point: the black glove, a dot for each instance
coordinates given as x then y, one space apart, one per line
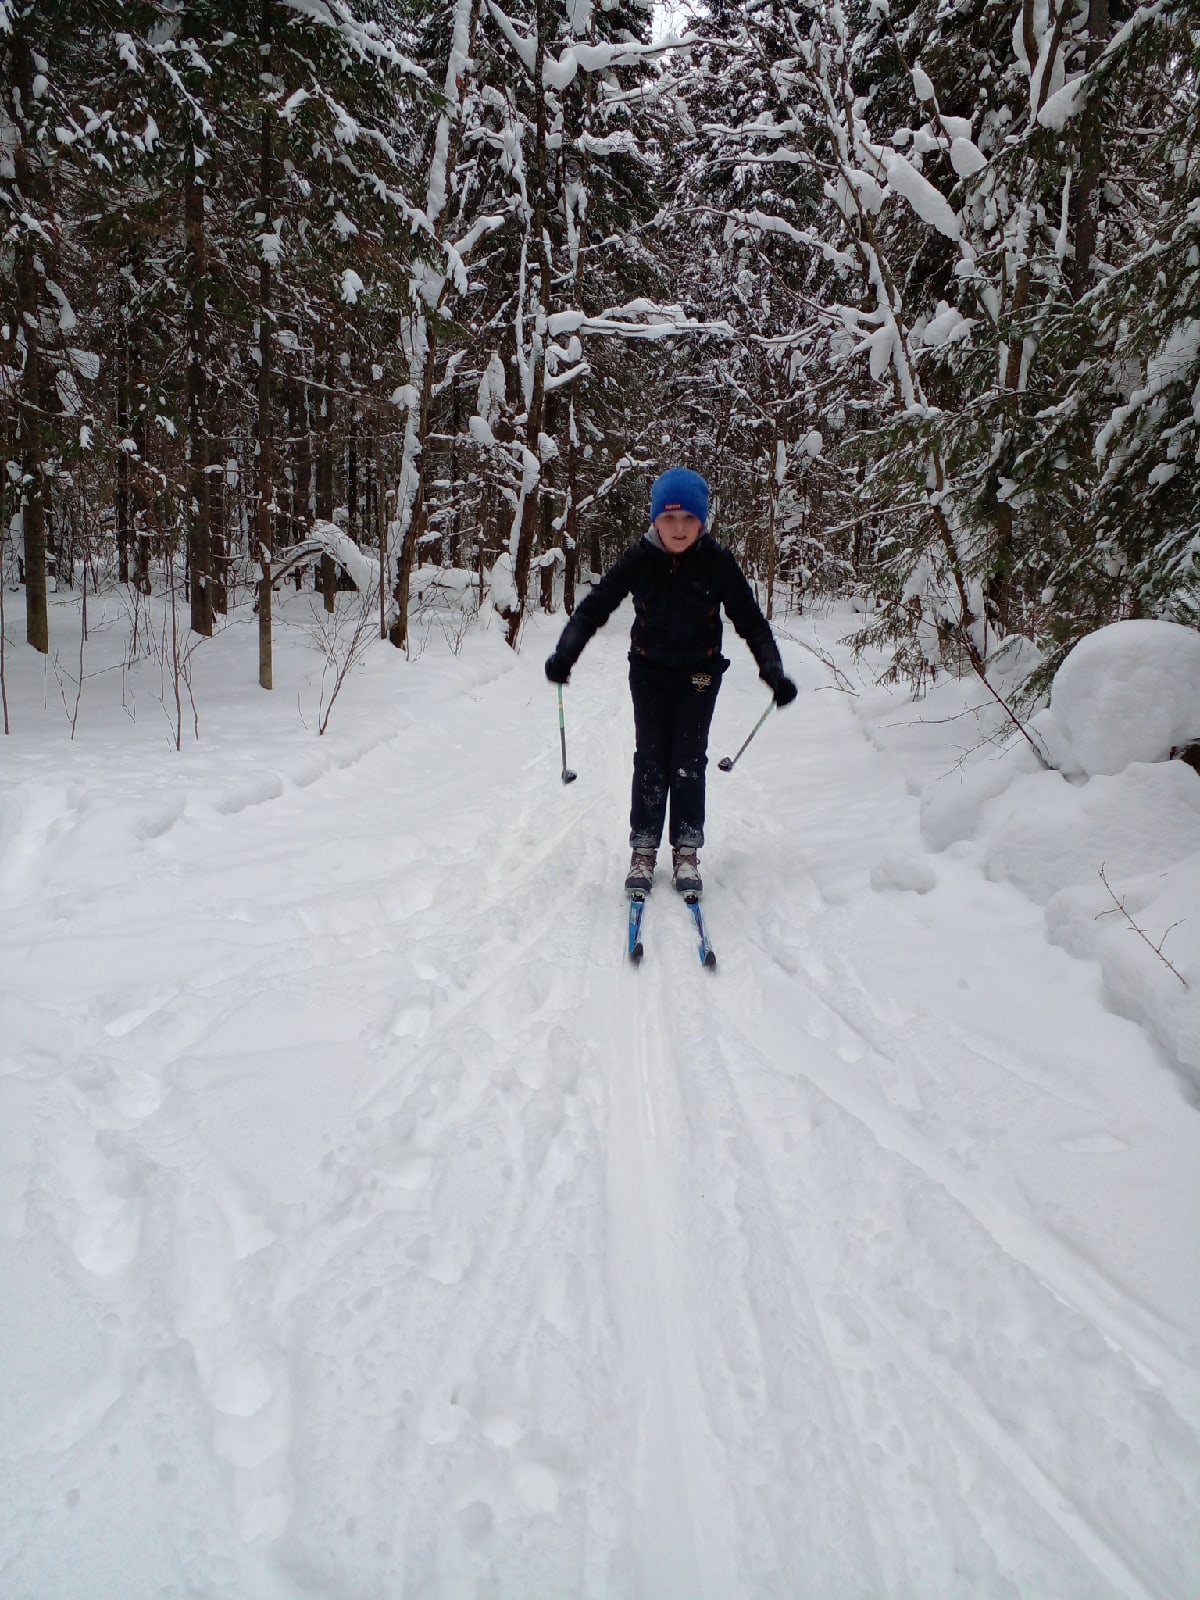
558 668
785 690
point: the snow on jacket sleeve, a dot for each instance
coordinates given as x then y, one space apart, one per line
743 611
594 610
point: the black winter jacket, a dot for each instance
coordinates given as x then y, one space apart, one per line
677 604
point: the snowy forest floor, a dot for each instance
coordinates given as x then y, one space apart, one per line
370 1230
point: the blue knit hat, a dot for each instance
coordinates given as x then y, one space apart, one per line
680 489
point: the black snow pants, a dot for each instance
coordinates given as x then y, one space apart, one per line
672 710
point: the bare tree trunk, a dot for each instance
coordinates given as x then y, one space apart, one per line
199 547
1091 136
381 534
325 479
489 537
453 539
218 538
30 395
3 657
410 495
550 570
301 507
527 533
121 497
138 432
416 517
772 505
266 463
571 526
5 436
999 584
352 481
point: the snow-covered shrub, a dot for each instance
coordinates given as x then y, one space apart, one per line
1129 692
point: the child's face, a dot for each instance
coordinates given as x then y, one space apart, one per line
678 530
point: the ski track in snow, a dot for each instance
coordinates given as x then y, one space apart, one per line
371 1229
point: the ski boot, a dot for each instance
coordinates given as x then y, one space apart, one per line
640 877
686 869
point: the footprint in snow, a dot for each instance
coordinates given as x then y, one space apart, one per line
109 1233
131 1017
476 1522
16 1156
450 1255
408 1170
410 1020
563 1301
538 1487
108 1191
1093 1144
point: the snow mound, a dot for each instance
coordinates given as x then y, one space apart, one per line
1082 812
1129 692
1052 834
1142 931
952 807
903 869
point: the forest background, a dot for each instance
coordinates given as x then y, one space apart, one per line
363 289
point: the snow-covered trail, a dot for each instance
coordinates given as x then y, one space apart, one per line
370 1229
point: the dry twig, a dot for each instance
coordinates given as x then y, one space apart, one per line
1119 905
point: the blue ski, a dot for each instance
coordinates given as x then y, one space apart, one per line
708 955
637 910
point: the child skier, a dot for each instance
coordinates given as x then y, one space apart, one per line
679 577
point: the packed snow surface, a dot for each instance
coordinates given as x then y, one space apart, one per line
369 1229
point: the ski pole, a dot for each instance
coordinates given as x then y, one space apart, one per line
567 775
727 763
